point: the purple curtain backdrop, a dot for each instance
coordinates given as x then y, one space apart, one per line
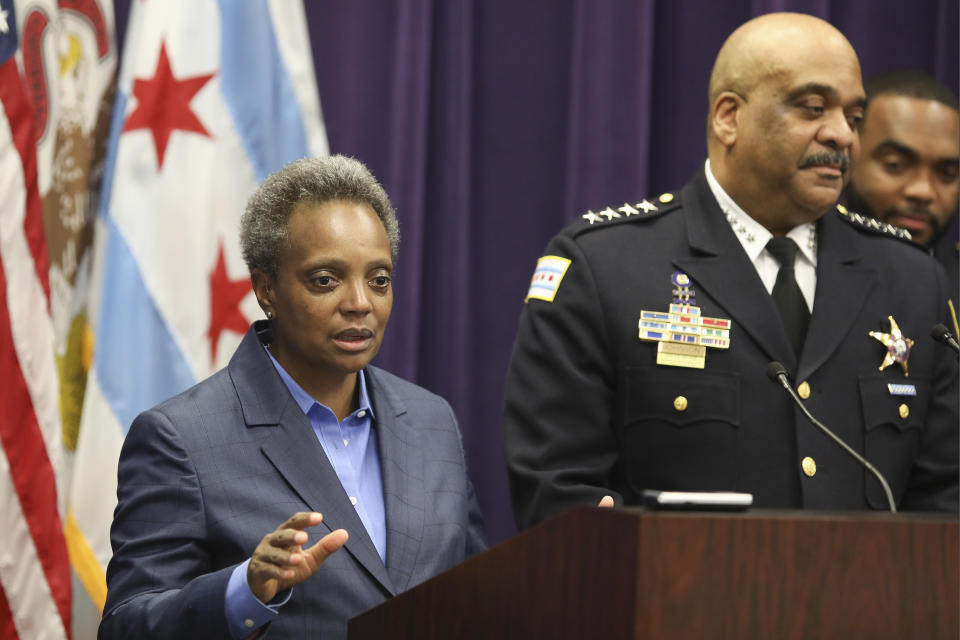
492 123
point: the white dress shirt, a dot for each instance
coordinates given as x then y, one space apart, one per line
754 237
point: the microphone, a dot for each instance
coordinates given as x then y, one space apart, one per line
778 373
941 334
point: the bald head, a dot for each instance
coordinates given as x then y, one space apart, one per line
786 100
768 46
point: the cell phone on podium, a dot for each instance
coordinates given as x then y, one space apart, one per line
697 500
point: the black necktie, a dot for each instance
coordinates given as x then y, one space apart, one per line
786 292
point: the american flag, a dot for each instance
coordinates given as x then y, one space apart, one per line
34 567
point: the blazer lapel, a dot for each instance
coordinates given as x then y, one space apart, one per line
721 269
401 461
843 286
296 453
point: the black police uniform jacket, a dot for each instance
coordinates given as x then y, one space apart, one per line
589 412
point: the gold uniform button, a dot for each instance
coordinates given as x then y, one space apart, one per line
680 403
666 197
904 411
809 466
803 390
842 209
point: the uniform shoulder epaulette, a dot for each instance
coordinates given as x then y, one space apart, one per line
643 210
873 225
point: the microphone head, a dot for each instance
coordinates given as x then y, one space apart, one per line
775 370
939 333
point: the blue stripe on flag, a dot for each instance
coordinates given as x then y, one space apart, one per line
137 362
257 89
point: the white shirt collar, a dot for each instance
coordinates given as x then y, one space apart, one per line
753 235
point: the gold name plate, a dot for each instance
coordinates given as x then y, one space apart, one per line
681 355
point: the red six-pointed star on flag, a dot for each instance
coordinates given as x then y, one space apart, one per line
163 104
225 298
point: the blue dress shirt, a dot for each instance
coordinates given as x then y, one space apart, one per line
351 448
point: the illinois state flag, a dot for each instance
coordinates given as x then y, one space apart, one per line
212 97
34 570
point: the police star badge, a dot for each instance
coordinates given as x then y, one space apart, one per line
682 334
898 346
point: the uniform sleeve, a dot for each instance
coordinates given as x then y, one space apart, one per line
557 421
933 482
160 584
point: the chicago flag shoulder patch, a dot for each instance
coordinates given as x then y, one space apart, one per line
546 279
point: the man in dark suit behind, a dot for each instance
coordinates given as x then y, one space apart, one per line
907 174
221 487
641 353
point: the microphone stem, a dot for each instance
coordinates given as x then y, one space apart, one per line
856 456
953 344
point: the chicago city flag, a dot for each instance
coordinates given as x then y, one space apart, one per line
212 96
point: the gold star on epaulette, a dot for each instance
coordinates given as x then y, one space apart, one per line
873 223
591 217
610 213
647 206
643 210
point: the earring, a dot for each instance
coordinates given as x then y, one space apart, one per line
269 315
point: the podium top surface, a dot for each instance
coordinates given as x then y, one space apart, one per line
636 573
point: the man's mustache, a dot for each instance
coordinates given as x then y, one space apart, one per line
834 158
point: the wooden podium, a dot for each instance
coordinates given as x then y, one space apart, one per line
603 573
